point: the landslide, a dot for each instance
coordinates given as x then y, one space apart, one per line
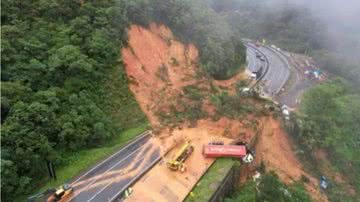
160 69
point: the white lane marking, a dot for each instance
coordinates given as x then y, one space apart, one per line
135 178
131 143
285 67
102 189
92 182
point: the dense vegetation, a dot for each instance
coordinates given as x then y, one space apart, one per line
329 120
213 178
222 53
329 114
269 188
63 86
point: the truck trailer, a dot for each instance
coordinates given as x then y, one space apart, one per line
215 151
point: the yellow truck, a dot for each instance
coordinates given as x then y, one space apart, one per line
177 163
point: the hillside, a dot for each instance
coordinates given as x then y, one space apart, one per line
64 89
325 123
81 79
184 104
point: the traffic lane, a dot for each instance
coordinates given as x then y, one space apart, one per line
83 180
284 72
255 64
286 63
292 96
113 191
252 59
277 74
93 186
270 75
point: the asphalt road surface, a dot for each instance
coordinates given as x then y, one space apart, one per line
278 72
107 180
254 63
300 83
278 67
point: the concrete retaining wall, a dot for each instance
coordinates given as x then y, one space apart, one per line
228 184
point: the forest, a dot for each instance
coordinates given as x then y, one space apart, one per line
222 53
270 188
329 120
62 79
64 88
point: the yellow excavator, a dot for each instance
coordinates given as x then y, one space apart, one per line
177 163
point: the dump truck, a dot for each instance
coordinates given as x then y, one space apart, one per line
177 163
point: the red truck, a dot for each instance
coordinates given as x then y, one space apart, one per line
214 151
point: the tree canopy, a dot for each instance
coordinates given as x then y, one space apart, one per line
222 53
270 188
63 86
56 55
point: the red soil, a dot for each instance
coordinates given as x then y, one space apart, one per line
274 149
154 49
150 49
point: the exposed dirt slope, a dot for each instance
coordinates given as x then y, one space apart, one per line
162 185
158 68
274 149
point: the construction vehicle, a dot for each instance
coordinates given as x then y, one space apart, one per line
177 163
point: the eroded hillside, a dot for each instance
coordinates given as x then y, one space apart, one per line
168 84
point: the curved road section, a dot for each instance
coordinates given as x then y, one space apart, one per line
277 72
107 180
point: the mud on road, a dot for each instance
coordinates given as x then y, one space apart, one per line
158 67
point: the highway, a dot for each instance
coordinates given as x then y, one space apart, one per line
278 69
107 180
111 177
278 72
254 64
